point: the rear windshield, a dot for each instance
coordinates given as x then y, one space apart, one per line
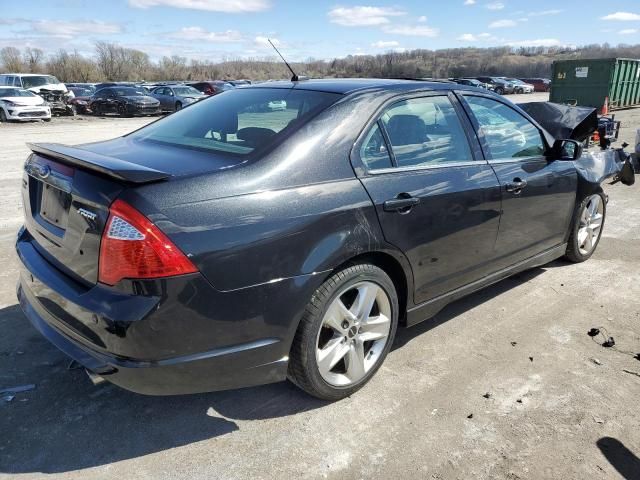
238 121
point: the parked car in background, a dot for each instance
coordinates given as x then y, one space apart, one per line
539 84
215 248
519 85
277 105
87 86
125 101
19 104
83 94
212 87
239 83
33 81
500 86
472 82
174 97
100 86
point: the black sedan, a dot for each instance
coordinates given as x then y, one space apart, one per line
229 245
125 101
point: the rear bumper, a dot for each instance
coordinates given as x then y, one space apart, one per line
163 345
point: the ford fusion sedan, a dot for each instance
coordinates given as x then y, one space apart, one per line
230 245
174 97
20 104
125 101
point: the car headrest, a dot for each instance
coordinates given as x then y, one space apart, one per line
255 136
406 129
224 123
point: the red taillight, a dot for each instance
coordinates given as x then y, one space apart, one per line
133 247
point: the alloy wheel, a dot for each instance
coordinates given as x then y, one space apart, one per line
590 224
353 334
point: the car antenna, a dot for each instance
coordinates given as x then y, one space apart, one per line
295 77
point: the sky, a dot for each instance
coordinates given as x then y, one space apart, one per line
216 30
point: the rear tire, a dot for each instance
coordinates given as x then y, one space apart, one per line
499 91
586 228
345 333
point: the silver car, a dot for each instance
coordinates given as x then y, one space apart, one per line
175 97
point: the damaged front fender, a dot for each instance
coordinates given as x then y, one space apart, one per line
597 166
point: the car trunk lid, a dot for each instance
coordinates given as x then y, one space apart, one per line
66 194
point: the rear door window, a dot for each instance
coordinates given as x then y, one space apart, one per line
426 131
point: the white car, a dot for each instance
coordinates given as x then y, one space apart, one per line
34 82
277 105
20 104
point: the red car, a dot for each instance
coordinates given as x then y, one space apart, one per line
212 87
539 84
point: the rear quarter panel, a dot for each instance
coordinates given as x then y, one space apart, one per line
297 211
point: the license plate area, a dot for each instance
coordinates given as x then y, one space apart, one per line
54 205
50 185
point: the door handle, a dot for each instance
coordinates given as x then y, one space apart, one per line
401 204
516 186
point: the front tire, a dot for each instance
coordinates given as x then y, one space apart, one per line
586 229
345 333
500 91
3 116
178 106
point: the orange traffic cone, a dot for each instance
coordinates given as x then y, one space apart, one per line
605 107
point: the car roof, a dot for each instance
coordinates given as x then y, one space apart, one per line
28 74
350 85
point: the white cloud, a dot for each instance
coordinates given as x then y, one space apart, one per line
199 33
422 19
363 16
68 29
228 6
469 2
541 42
481 37
385 44
495 6
467 37
545 12
628 31
411 30
503 24
622 16
260 41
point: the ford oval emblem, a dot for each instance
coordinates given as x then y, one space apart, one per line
43 171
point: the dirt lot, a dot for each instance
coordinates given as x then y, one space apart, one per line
559 405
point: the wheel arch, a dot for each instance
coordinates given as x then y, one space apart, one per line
394 265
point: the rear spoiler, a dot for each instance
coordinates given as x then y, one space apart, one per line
108 166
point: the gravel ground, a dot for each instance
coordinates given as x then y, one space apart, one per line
504 384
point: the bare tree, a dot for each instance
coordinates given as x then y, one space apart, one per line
33 59
11 59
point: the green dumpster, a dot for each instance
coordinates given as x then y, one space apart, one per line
589 82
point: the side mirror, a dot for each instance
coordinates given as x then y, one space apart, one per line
566 150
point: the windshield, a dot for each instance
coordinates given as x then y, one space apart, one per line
128 92
186 91
238 121
15 92
38 81
81 91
